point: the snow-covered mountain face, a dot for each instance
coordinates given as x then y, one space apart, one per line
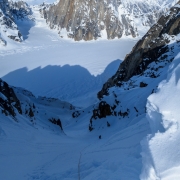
103 141
107 19
22 106
9 13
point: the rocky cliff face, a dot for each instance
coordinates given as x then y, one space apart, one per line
109 19
9 13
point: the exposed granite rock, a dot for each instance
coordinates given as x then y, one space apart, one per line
147 50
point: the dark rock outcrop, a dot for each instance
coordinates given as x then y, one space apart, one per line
9 102
142 84
57 122
102 111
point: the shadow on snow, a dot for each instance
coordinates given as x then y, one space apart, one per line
24 27
64 82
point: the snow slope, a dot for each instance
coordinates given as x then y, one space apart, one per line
33 153
161 148
47 153
43 150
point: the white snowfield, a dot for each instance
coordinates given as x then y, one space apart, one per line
65 64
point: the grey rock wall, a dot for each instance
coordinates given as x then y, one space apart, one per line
87 19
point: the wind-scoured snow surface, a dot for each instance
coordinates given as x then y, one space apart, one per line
161 155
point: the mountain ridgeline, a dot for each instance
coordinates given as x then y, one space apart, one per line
109 19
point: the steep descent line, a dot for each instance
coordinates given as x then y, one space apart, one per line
79 163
